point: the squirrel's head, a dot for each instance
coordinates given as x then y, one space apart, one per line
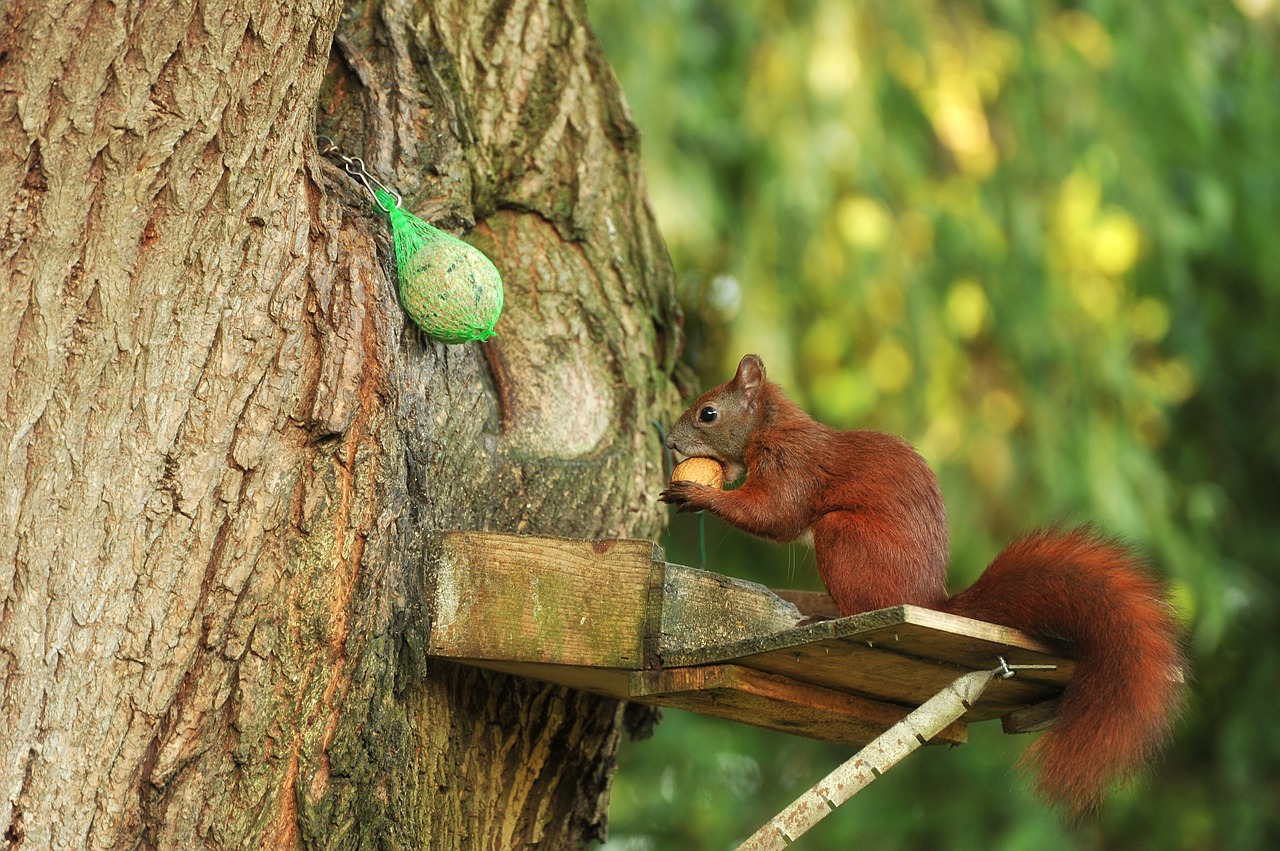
720 424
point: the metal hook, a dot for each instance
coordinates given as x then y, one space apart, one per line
1005 671
355 167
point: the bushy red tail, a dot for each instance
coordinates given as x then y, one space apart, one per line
1128 684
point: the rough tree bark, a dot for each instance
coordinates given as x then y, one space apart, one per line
227 453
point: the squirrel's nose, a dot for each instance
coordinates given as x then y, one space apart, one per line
671 443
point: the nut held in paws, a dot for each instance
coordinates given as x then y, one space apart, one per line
703 471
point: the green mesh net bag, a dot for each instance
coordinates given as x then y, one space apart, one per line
449 288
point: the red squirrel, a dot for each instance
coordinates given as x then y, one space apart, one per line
879 534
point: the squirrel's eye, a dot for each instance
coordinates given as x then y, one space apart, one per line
708 414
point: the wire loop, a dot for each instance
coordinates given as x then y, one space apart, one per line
355 167
1005 671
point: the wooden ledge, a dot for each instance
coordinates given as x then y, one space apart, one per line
613 617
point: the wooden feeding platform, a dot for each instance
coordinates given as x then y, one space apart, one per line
614 618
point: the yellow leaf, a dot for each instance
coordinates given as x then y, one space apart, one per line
967 308
863 222
890 367
1116 241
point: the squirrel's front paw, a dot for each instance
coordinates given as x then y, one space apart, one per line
686 495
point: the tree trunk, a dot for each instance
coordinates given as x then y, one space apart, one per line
228 453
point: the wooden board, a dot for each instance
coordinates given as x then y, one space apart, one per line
701 609
609 682
776 703
549 600
903 654
597 603
736 694
613 618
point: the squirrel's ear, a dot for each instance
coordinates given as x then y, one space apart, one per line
750 373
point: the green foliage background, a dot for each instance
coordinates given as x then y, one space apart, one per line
1039 240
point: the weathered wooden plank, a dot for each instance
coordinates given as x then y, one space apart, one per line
885 675
777 703
940 636
1031 719
734 693
902 654
610 682
974 644
551 600
701 609
612 617
812 604
602 603
799 635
